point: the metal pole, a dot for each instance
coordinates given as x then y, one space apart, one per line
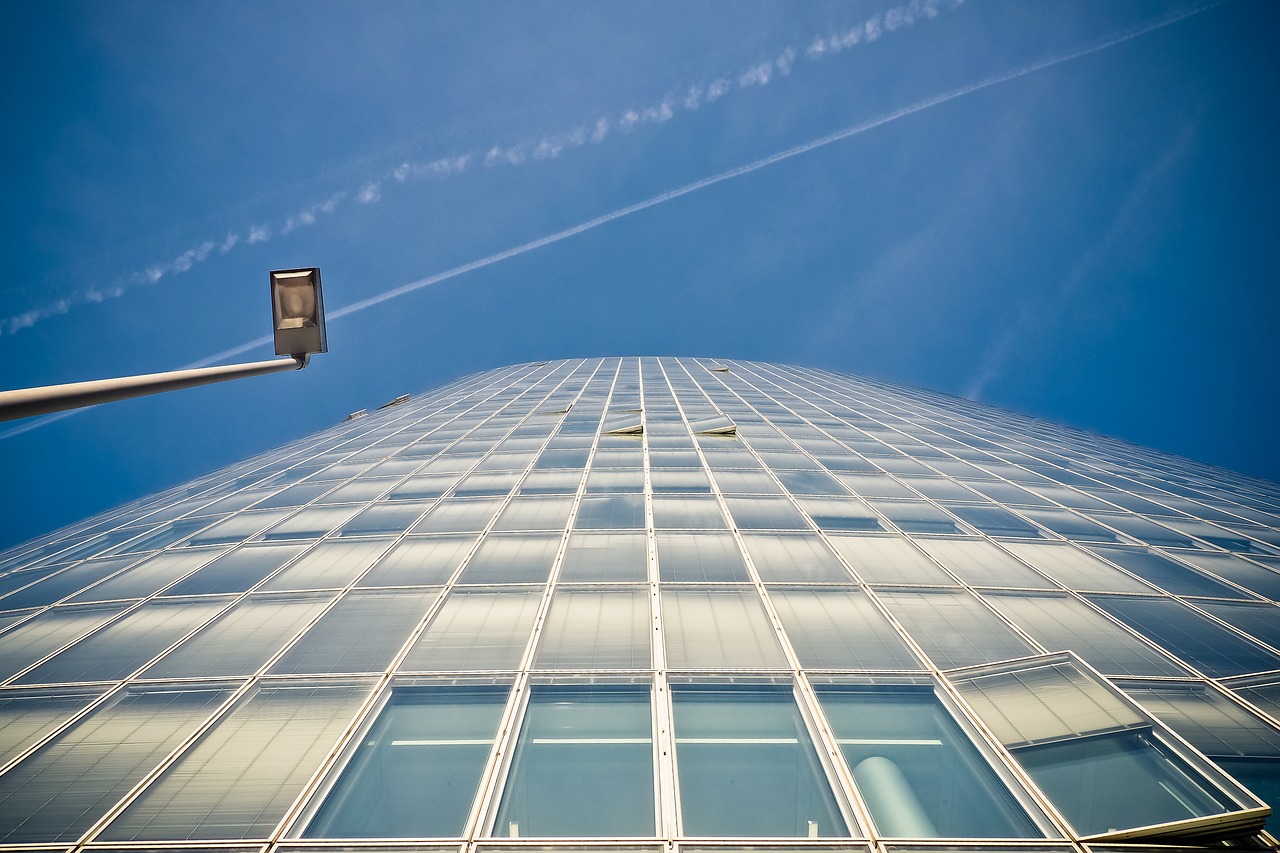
27 402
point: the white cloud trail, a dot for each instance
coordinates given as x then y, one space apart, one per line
670 195
547 147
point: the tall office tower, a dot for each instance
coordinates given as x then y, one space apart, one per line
655 605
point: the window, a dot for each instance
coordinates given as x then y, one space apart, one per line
747 767
583 765
917 771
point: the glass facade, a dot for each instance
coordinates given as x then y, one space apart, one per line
641 604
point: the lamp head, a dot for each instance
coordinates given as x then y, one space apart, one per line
297 308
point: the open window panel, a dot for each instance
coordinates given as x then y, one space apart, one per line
1113 771
624 422
415 769
713 425
922 770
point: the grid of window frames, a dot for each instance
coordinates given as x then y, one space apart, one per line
631 604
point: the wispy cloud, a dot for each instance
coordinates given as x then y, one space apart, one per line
547 147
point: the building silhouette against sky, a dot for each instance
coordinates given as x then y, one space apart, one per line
652 601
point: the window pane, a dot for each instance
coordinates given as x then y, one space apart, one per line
916 517
61 585
980 563
512 559
747 767
1059 622
839 629
427 747
1258 620
678 480
596 629
241 776
361 633
765 514
48 632
606 557
310 523
240 641
385 518
26 715
1166 574
236 571
460 516
96 762
1212 723
420 560
700 557
687 513
953 628
783 558
717 629
149 576
583 765
880 559
840 514
125 645
917 771
993 521
1075 569
611 512
476 629
1204 644
328 565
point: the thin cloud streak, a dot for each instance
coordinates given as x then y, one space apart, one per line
740 171
530 150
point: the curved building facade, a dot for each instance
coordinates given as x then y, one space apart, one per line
645 604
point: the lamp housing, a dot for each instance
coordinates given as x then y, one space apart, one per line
297 308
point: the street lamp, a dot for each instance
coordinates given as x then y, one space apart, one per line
298 323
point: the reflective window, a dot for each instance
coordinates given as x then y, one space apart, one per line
718 629
765 513
327 565
953 628
420 560
747 766
980 563
918 773
1165 573
236 571
611 512
97 761
687 513
840 514
592 557
1240 571
48 632
607 480
476 629
596 629
1258 620
679 480
839 629
783 558
149 576
241 776
385 518
1075 568
459 516
535 513
700 557
583 765
994 521
512 559
881 559
361 633
310 523
916 516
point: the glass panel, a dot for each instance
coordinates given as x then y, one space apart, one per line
386 518
880 559
765 514
916 517
420 560
810 483
427 746
1093 754
1069 525
459 516
993 521
48 632
424 486
1145 530
550 483
953 628
839 629
596 629
361 633
311 522
840 514
26 715
1059 622
328 565
1248 575
1209 720
700 557
917 771
746 483
1258 620
512 559
240 641
1210 648
747 767
1166 574
606 557
583 765
477 630
148 576
67 785
122 647
799 558
61 585
1075 569
980 563
611 512
717 629
236 571
621 480
687 513
486 485
678 480
241 776
535 513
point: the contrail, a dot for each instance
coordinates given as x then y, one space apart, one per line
821 142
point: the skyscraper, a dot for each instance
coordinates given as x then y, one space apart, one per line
634 603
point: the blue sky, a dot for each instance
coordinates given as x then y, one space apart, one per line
1063 208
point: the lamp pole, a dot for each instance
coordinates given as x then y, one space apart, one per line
298 313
